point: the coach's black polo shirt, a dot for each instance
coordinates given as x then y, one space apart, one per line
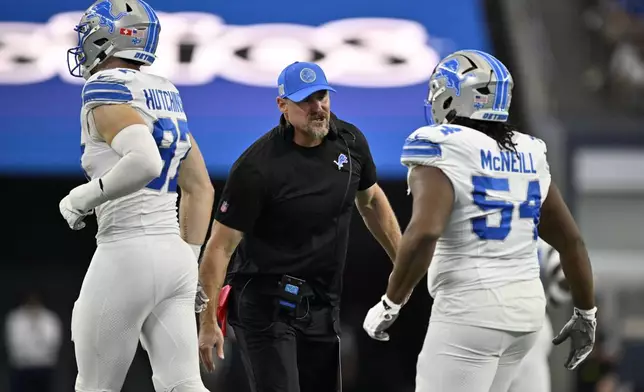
288 200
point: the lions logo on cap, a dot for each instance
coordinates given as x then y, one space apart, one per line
308 75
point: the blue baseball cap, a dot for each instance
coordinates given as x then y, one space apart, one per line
301 79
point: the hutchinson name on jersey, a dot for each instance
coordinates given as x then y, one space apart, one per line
151 210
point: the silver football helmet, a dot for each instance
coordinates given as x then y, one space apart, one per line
127 29
470 84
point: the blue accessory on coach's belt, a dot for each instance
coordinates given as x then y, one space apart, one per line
290 293
301 79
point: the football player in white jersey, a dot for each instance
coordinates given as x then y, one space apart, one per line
136 149
534 371
480 191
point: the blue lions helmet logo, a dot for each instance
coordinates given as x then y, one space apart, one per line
448 70
103 12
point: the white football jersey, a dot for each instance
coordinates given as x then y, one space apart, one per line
151 210
490 242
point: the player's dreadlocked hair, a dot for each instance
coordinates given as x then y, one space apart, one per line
501 132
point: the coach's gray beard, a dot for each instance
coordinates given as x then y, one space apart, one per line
318 129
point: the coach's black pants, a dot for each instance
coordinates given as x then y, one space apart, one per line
282 355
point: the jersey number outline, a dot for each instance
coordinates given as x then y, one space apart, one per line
179 130
530 208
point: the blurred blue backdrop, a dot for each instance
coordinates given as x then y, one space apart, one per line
225 58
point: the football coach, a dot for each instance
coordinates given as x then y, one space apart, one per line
284 218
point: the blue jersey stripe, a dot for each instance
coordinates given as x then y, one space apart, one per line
94 86
420 142
416 152
421 148
419 156
103 95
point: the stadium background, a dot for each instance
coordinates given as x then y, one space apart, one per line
580 74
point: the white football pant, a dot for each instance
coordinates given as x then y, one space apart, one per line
463 358
534 372
140 288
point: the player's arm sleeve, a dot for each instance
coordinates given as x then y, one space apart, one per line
108 87
140 163
368 175
243 197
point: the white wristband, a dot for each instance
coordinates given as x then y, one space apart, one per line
196 249
87 196
587 314
391 304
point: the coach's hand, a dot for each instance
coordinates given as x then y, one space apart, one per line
581 331
380 318
73 216
210 336
201 299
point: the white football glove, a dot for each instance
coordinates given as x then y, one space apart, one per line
80 202
73 216
380 318
581 331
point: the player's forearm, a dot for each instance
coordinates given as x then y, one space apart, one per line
414 256
195 210
576 266
382 223
212 273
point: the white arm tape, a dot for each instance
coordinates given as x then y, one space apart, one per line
140 162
